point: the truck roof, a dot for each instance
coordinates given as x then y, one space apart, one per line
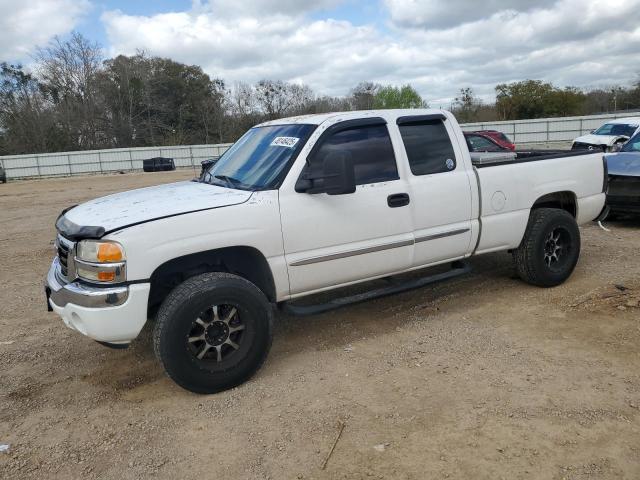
333 117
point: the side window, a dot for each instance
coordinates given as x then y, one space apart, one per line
428 147
369 147
478 143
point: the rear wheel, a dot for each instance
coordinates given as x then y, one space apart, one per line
213 332
550 248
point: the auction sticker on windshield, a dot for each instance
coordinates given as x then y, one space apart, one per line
289 142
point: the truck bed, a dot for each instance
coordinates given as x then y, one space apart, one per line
492 159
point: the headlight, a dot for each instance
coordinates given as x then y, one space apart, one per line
100 252
98 261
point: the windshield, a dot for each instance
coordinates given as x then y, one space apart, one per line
616 129
633 145
260 158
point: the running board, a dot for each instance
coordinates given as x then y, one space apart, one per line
457 268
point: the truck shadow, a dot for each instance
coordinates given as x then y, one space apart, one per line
338 328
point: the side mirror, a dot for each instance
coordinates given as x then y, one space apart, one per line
339 174
206 164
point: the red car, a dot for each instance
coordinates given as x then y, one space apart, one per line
478 142
499 137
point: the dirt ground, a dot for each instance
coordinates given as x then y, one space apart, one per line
482 377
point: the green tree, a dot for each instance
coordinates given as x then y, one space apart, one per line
521 100
564 102
398 97
536 99
154 101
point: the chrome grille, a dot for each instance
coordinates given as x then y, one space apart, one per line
64 248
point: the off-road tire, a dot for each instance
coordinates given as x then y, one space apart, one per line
176 318
531 256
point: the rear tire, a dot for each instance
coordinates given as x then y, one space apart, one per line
213 332
550 248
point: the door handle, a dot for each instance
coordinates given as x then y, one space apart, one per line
398 200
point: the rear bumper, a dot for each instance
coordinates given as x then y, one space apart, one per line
113 315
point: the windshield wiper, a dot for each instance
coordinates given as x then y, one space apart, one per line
230 181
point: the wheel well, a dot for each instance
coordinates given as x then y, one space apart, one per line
562 200
246 262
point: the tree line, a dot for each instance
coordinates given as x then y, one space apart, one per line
77 100
538 99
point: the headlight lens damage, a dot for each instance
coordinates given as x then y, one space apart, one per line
100 261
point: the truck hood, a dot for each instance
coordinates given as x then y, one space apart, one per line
98 217
624 163
598 139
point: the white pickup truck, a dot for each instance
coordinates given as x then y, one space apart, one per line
303 205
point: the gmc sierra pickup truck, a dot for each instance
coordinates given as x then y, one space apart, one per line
302 205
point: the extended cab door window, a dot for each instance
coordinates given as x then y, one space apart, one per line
428 147
368 146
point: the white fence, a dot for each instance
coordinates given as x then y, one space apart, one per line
547 130
104 161
540 131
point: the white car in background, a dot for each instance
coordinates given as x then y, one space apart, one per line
610 136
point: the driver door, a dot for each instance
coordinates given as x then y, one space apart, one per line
332 240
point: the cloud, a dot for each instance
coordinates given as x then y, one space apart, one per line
431 14
568 42
229 8
25 25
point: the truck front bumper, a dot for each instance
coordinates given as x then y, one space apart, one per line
112 315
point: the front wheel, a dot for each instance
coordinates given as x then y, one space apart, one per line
550 248
213 332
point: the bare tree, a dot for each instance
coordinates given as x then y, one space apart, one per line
363 96
26 120
273 97
68 71
466 105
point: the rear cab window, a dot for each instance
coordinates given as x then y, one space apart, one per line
428 146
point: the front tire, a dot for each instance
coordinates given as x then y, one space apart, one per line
213 332
550 248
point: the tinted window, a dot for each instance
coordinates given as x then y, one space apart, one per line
616 129
633 145
428 148
370 149
477 143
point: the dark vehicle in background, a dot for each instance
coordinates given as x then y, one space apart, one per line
3 174
623 195
498 137
158 164
478 142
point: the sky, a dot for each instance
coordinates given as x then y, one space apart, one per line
438 46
